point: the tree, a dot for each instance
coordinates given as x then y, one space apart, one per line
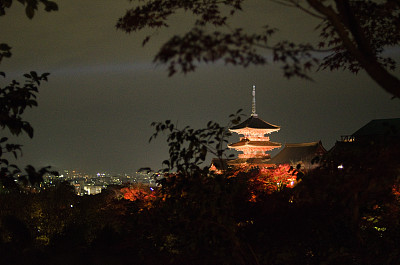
14 99
188 147
259 216
354 33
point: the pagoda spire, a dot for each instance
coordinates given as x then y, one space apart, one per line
253 106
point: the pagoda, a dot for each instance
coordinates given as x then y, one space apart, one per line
254 144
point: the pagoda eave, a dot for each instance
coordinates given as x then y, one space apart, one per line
255 144
248 130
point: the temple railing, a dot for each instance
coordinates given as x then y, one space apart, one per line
347 138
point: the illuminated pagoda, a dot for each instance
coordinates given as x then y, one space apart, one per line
254 144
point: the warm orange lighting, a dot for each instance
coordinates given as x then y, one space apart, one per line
396 190
134 193
270 180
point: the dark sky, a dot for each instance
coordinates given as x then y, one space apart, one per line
95 112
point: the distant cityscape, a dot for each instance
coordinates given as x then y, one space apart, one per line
91 184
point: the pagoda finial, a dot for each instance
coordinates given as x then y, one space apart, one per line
253 106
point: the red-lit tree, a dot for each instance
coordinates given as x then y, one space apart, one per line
138 192
264 181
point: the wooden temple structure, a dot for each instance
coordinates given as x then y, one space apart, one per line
254 144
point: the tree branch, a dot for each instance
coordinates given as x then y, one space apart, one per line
375 70
294 3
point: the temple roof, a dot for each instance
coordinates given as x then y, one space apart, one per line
382 127
255 123
293 153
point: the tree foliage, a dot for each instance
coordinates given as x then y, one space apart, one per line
31 6
332 216
188 147
354 33
15 98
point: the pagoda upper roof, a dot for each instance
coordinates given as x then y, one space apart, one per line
255 123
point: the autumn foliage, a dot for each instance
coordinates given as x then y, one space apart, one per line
275 179
138 192
396 190
260 181
237 216
266 180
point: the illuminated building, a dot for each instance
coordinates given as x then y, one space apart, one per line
254 145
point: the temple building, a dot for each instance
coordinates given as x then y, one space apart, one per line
378 139
254 144
308 155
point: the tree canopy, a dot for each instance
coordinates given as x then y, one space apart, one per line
354 35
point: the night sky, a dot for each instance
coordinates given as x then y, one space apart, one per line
95 112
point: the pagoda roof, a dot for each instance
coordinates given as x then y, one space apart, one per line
255 123
293 153
254 143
